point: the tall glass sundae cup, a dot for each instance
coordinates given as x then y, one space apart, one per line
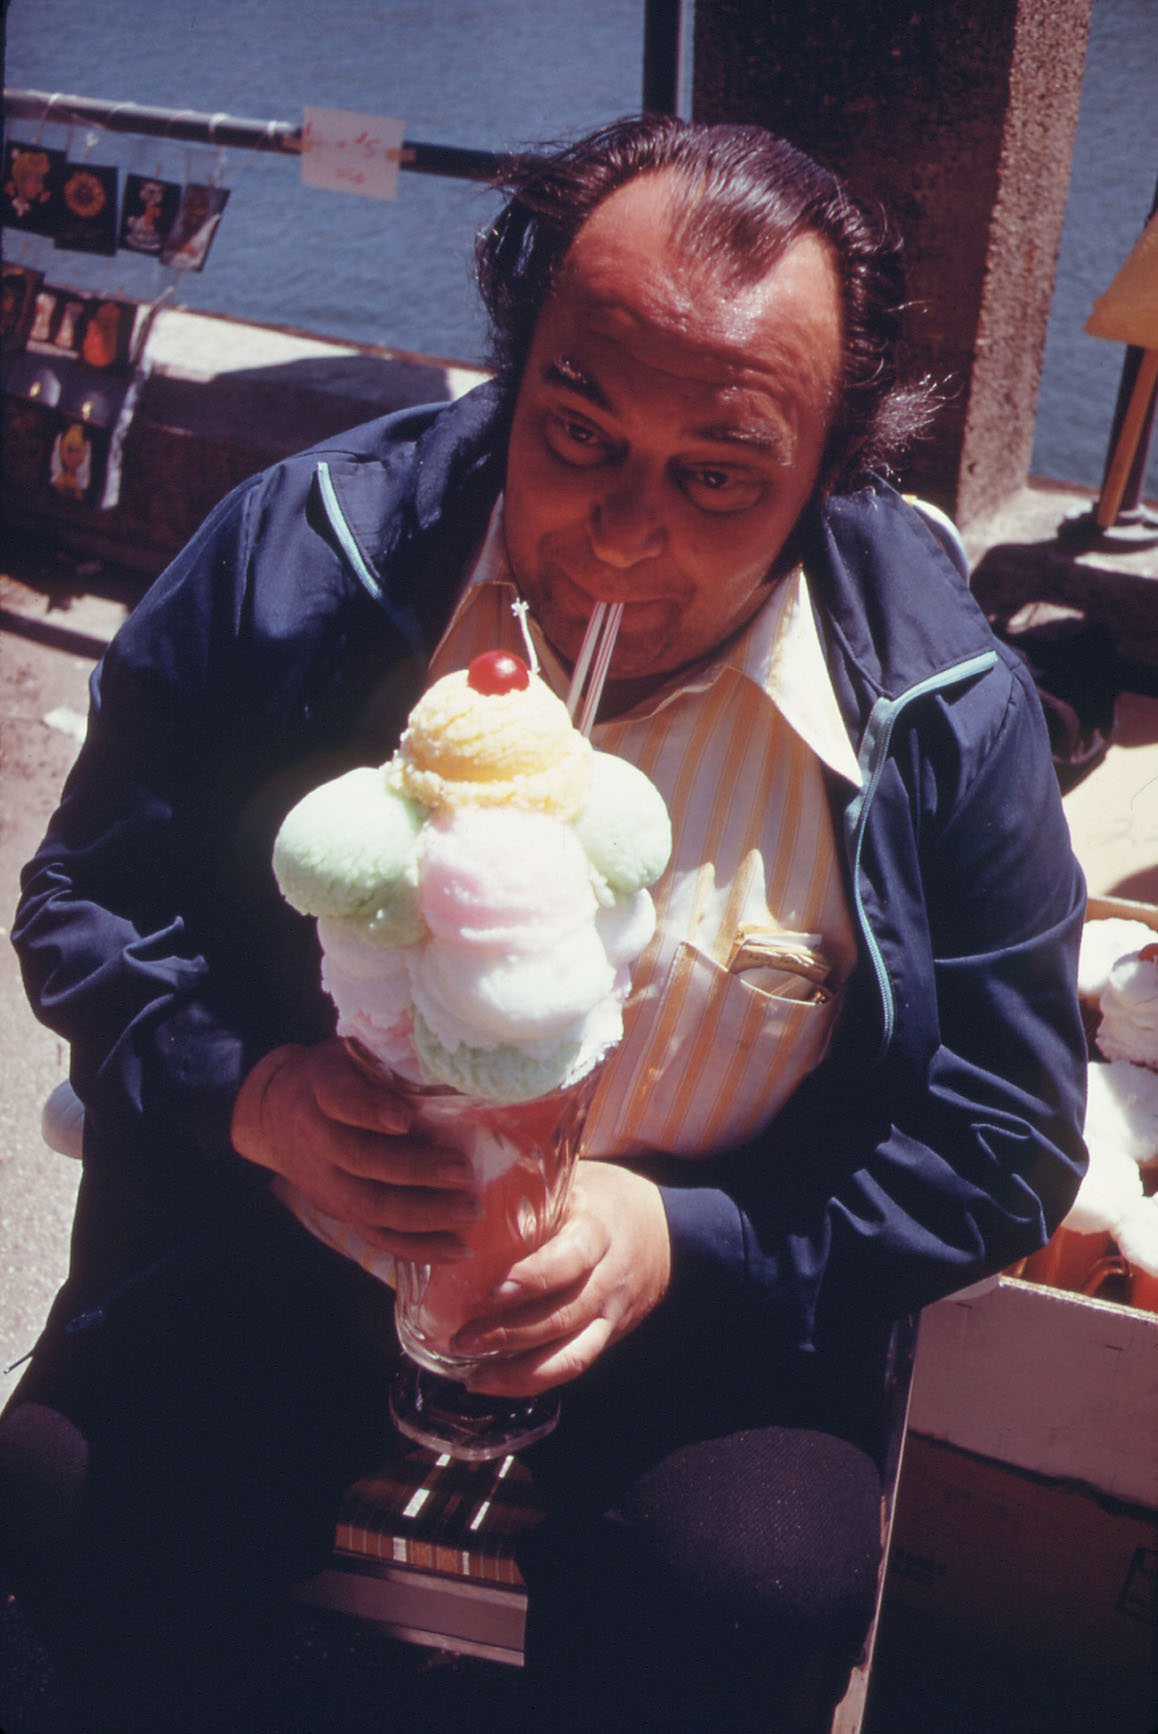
522 1156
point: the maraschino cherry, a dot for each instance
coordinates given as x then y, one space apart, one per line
496 672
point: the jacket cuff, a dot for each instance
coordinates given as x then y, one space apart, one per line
174 1096
708 1250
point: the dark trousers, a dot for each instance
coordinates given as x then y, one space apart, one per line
709 1559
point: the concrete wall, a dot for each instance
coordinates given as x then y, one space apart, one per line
960 116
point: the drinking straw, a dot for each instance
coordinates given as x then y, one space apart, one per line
583 660
595 656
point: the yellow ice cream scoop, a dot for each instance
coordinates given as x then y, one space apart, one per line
493 734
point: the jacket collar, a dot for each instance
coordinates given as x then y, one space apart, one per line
893 607
415 491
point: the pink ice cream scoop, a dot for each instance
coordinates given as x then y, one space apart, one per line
514 954
495 876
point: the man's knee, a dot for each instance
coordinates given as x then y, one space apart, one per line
737 1572
43 1474
776 1528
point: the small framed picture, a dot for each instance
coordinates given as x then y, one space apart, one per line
28 431
186 246
58 319
76 462
90 396
30 188
88 210
148 213
107 335
35 379
18 289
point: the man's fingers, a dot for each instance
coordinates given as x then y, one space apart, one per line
371 1203
567 1258
523 1324
346 1094
397 1161
537 1370
546 1298
418 1248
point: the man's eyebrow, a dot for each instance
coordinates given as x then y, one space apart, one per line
564 372
767 437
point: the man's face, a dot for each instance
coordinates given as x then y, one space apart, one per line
667 434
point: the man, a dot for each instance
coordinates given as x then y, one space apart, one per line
695 333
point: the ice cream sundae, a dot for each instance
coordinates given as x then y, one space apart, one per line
1129 1026
479 900
1118 986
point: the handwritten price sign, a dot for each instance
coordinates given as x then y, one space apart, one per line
351 153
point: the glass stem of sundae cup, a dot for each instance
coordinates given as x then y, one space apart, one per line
523 1157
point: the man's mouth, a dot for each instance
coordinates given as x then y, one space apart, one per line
577 590
644 617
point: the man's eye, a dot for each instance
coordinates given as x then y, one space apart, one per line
721 490
576 442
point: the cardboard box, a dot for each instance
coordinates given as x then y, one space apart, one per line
1056 1383
1006 1561
1049 1382
1027 1515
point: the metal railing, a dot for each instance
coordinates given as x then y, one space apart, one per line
664 26
187 126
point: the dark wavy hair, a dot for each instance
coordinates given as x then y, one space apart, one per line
741 197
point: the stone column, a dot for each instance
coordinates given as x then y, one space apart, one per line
959 115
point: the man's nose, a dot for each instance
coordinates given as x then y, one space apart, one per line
625 523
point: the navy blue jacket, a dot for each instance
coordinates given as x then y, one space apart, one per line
940 1138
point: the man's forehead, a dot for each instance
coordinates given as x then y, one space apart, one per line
621 298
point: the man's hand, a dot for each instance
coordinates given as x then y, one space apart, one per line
595 1280
310 1114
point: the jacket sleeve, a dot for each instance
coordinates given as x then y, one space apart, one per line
891 1180
265 660
133 927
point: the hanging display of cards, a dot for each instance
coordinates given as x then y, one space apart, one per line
30 187
71 366
73 391
88 209
148 213
186 246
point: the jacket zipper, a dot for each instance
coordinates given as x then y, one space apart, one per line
872 756
403 618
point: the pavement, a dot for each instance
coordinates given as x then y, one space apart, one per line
43 702
58 610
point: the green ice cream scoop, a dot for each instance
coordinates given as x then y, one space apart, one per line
349 850
624 826
505 1073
